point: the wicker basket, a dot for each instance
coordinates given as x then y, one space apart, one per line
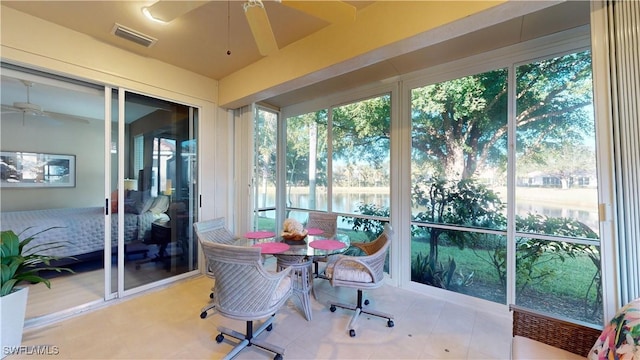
294 237
571 335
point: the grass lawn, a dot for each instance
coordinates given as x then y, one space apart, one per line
572 277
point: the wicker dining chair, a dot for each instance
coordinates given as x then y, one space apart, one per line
362 273
245 290
328 223
213 230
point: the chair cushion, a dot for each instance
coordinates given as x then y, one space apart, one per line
282 290
525 348
620 339
348 271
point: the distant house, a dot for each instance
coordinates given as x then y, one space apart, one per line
542 179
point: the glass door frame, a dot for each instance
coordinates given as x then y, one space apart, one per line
120 291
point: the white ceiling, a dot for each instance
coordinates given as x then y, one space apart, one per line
199 40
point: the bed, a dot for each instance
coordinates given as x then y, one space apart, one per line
80 231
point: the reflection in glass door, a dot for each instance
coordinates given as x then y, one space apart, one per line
52 177
92 193
158 174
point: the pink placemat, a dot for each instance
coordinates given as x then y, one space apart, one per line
327 244
272 247
314 231
259 234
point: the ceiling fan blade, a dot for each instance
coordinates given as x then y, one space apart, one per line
22 108
168 11
8 109
260 27
66 117
10 115
332 11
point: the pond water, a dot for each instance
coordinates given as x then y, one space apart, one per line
348 201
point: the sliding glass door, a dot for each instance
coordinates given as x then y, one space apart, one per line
118 196
155 165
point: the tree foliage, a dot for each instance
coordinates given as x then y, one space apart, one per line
300 129
464 203
265 142
469 204
371 227
455 124
460 126
361 130
360 133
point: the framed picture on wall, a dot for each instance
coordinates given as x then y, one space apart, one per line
20 169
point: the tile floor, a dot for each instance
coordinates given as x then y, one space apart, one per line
165 324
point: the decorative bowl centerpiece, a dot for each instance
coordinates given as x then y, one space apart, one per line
294 236
293 230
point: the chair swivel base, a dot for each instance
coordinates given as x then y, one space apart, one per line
249 339
359 310
205 309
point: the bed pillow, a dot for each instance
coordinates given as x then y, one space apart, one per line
160 204
138 202
145 205
620 339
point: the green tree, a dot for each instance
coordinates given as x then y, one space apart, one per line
265 145
465 203
306 149
361 131
460 126
456 123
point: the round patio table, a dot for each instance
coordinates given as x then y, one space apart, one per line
299 255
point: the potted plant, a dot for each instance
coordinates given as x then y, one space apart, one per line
20 264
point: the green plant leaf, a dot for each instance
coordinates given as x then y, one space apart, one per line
10 244
7 287
22 265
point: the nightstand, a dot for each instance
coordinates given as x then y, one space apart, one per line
160 236
161 233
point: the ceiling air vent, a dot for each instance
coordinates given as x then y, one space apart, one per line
132 35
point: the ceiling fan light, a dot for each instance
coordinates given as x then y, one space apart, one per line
148 15
167 11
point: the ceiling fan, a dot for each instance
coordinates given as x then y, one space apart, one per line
29 108
332 11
